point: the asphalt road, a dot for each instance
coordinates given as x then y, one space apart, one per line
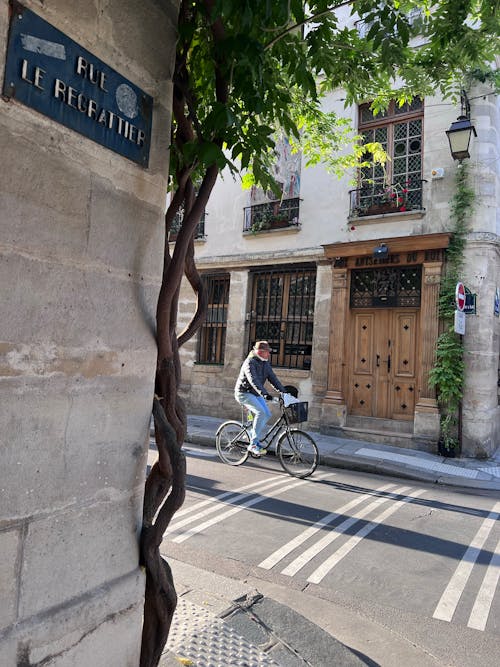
419 562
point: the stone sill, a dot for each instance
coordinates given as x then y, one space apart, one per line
290 228
291 372
201 367
398 215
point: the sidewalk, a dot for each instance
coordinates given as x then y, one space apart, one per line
377 458
225 622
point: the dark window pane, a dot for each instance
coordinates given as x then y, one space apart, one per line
283 313
213 332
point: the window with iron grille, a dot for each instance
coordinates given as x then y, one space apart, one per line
282 312
177 224
213 331
386 287
399 130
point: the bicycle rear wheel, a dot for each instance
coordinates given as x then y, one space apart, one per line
297 452
231 441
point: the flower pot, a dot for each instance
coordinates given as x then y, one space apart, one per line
379 209
277 224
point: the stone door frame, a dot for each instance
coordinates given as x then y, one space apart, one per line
426 250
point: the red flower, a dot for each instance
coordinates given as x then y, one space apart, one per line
402 208
393 195
405 190
352 228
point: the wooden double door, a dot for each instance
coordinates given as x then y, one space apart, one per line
382 364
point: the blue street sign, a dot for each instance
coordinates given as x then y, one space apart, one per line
49 72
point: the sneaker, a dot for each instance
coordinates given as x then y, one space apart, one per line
255 449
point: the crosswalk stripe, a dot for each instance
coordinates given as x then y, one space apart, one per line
217 519
199 515
290 546
227 494
451 596
482 605
335 558
339 530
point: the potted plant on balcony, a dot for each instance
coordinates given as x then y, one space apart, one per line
261 223
278 220
391 199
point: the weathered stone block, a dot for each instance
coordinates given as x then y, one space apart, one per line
124 231
74 551
74 306
113 643
95 439
9 546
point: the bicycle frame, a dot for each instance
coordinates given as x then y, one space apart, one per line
273 430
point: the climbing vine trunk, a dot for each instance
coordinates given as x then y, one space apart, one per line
166 484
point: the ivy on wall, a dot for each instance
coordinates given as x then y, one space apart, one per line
447 375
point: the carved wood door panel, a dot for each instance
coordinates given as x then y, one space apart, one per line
381 359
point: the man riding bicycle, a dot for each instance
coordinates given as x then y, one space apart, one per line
250 391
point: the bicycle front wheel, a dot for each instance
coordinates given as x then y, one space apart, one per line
231 441
297 452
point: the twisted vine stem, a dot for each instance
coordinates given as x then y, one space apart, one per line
166 484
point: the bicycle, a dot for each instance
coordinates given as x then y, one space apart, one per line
296 450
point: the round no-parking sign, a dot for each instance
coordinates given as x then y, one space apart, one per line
460 296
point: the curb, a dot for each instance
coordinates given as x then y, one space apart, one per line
377 466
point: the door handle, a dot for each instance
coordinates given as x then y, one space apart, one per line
388 363
378 360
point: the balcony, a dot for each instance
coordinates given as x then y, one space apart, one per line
278 214
176 225
376 199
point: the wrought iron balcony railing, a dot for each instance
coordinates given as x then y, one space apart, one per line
176 225
378 199
271 215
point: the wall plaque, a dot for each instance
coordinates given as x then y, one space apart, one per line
49 72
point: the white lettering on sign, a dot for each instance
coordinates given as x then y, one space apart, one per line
90 72
75 99
78 101
35 77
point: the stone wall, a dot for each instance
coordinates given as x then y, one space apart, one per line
81 237
209 389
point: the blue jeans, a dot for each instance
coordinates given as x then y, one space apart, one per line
261 413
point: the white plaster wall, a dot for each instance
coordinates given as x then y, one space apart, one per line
81 236
324 206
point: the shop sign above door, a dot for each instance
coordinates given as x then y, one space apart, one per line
49 72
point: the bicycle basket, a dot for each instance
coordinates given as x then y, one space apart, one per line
297 412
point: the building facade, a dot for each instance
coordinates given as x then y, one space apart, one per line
343 280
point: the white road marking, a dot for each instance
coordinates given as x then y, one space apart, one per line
451 596
330 563
283 551
217 519
226 494
174 527
339 530
482 605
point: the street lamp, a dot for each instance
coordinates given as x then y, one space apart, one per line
460 131
459 137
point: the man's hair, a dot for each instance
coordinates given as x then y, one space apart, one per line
262 345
